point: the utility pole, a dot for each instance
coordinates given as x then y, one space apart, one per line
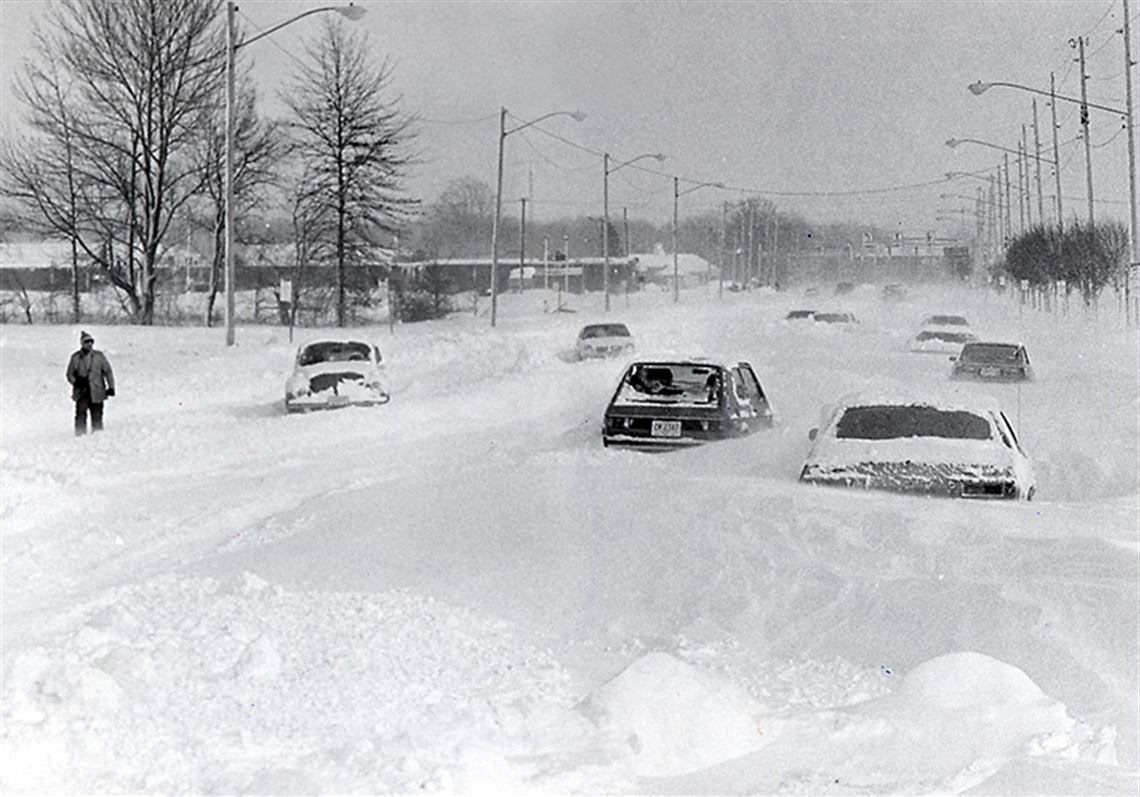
751 234
1056 150
1008 201
545 263
1020 180
1037 160
1080 44
1134 216
522 246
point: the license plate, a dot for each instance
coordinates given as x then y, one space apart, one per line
990 371
666 429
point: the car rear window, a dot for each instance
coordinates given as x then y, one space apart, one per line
990 353
605 331
894 421
676 382
334 351
949 337
948 321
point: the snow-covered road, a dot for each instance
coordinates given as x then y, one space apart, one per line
463 591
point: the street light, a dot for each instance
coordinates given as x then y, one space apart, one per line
677 194
1134 214
350 12
577 116
955 142
606 172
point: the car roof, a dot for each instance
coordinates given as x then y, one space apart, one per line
318 341
964 400
1009 343
700 360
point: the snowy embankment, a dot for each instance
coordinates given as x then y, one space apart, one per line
464 591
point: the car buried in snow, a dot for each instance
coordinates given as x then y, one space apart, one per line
939 447
840 317
603 340
982 361
941 340
676 403
942 320
333 373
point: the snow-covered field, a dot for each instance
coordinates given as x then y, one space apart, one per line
463 591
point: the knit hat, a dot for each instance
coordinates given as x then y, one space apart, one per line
84 336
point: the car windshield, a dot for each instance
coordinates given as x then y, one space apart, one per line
990 353
331 351
675 382
947 321
605 331
889 422
949 337
801 314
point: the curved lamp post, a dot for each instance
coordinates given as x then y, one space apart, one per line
980 87
606 172
955 142
677 194
577 116
350 12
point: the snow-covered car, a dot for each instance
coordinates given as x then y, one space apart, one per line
800 315
335 373
942 340
992 362
945 321
667 404
942 447
603 340
835 317
893 292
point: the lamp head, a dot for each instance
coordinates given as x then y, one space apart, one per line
658 157
979 87
577 116
952 142
350 12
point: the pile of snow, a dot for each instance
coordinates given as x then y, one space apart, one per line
463 591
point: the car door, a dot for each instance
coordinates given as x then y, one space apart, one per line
755 410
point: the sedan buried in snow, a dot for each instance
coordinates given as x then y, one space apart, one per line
942 340
666 404
943 447
992 362
335 373
603 340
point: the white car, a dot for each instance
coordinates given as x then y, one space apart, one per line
963 448
335 373
942 340
603 340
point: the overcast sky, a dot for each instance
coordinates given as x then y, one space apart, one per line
788 100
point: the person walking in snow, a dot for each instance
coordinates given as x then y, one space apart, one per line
92 382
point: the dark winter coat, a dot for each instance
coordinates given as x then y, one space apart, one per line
90 369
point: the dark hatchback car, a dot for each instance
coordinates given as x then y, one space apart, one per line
662 405
992 362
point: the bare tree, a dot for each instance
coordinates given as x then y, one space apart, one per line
459 222
351 141
140 79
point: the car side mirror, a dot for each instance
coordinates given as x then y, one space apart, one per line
812 434
953 358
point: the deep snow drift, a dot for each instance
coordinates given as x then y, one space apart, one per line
463 591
